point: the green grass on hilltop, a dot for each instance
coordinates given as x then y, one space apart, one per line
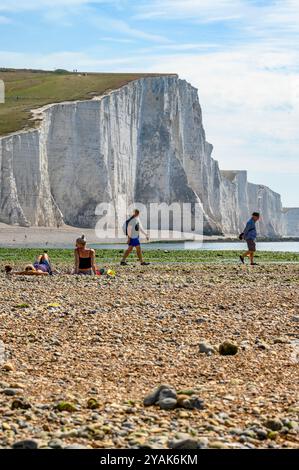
29 89
20 256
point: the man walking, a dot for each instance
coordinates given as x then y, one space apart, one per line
249 235
132 228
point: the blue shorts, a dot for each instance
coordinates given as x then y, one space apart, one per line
134 242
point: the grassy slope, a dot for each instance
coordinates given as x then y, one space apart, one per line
21 256
27 89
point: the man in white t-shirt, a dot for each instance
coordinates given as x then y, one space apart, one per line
134 227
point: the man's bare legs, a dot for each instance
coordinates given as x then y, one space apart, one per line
250 254
139 253
126 253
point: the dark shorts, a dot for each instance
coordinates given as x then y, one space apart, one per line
88 272
251 245
134 242
41 267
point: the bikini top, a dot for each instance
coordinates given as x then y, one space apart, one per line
85 263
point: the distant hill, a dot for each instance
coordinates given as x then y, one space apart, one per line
28 89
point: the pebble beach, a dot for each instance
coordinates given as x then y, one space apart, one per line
78 356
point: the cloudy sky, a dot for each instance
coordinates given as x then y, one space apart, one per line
242 55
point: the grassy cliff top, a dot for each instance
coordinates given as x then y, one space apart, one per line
29 89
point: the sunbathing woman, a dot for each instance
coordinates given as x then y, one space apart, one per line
84 258
43 263
30 270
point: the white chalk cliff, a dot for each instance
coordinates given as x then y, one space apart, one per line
291 221
144 142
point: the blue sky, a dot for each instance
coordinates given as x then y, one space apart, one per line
242 55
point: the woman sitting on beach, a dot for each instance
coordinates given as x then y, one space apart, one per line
29 270
84 258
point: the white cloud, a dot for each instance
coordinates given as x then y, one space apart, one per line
281 12
17 5
64 59
183 47
119 26
200 10
250 109
119 40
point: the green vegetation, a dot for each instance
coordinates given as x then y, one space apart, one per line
93 404
66 406
23 305
29 89
21 256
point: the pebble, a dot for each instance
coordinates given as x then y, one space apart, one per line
274 424
167 403
93 404
262 345
8 367
20 403
184 444
75 447
66 406
261 434
281 340
153 397
206 348
228 348
217 445
10 392
25 444
167 393
56 444
190 403
240 393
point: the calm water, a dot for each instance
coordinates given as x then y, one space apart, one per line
215 246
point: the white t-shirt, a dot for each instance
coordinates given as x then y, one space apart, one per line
134 227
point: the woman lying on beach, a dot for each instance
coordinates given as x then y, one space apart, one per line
84 258
29 270
43 263
41 266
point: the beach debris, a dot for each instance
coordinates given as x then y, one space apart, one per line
111 273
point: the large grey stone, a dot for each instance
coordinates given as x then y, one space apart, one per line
167 403
153 396
25 444
184 444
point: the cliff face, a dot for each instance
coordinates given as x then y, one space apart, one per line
239 199
144 142
25 193
291 221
